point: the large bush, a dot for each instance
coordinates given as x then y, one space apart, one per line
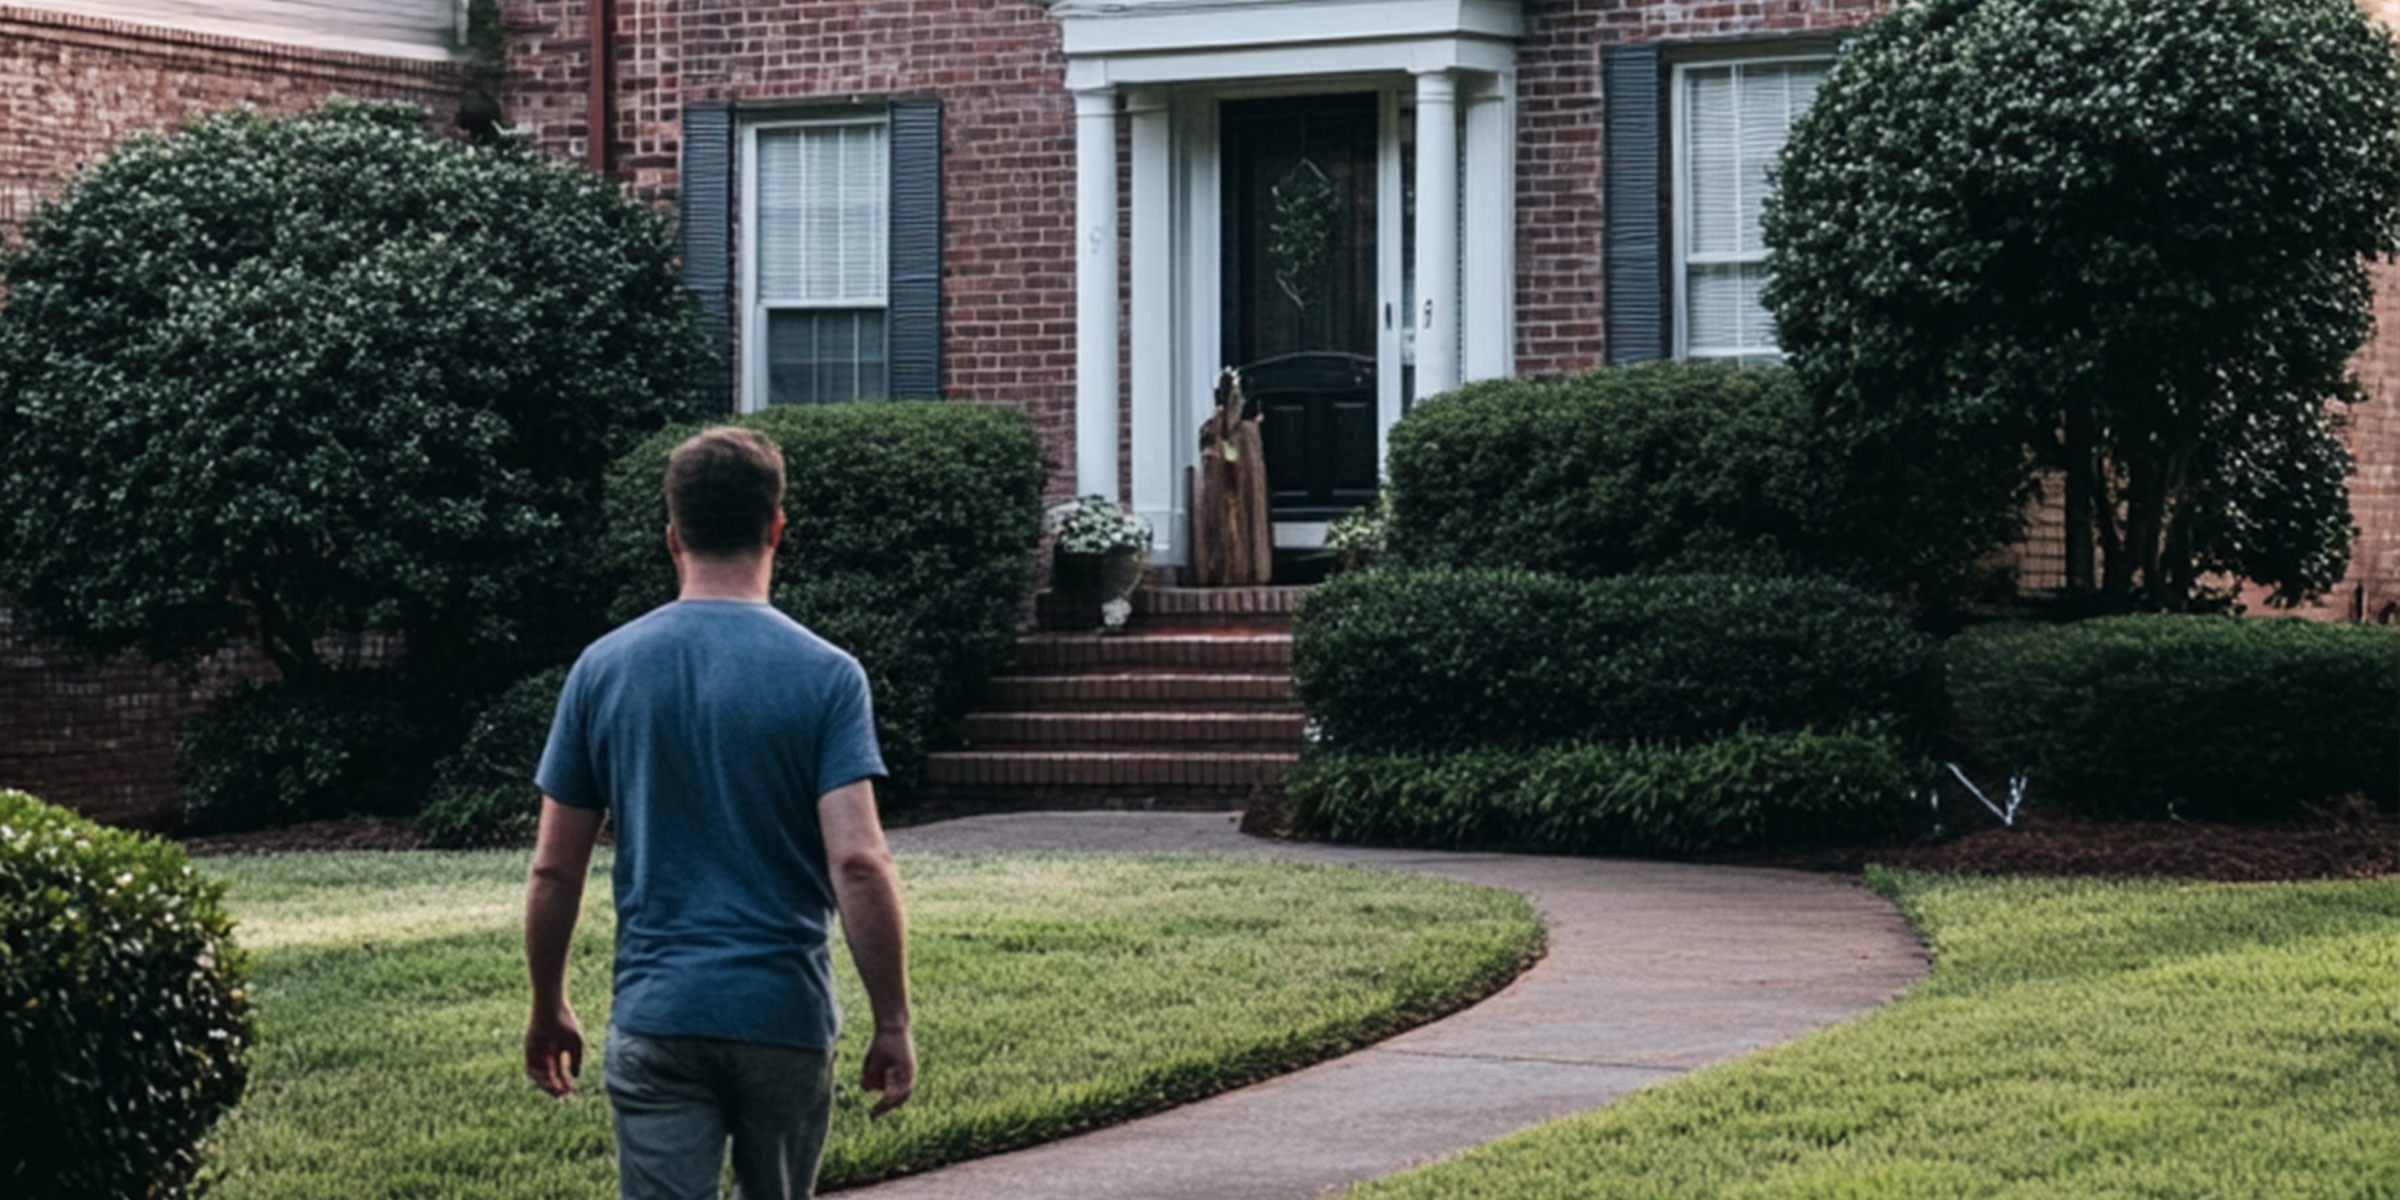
1746 791
1662 467
2120 240
909 539
483 792
1419 662
124 1027
2157 716
297 750
288 378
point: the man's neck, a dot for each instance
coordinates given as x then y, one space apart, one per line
744 578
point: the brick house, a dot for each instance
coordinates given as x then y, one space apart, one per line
1082 207
1073 205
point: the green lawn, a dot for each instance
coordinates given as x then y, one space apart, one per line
1053 994
2077 1040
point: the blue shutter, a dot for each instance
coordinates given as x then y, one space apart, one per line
707 209
915 283
1632 245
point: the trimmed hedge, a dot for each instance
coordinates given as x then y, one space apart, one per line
483 792
1745 791
1421 662
1662 467
271 755
124 1027
2193 716
911 529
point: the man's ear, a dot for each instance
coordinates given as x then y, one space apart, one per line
774 530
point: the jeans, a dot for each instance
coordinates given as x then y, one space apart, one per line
677 1100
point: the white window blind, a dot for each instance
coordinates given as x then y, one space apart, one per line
1735 118
821 221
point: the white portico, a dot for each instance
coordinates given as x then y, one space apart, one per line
1322 189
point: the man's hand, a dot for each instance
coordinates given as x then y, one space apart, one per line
891 1068
554 1051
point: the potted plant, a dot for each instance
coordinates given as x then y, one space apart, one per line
1098 551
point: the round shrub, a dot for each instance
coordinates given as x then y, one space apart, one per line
483 792
1431 661
1657 468
279 379
2193 716
1746 791
124 1028
909 541
294 751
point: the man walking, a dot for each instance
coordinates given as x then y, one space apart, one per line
736 753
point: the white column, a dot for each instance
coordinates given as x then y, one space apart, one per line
1157 465
1487 309
1096 293
1437 233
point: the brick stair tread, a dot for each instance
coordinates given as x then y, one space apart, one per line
1271 730
1106 768
1144 690
1193 650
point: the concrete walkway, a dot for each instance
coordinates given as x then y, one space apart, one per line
1654 969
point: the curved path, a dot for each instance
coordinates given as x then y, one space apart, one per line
1653 969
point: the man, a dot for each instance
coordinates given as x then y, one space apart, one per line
736 752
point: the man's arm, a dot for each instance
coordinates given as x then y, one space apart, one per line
562 857
866 887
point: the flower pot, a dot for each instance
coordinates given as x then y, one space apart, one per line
1100 586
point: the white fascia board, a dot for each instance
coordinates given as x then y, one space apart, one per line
1133 42
1142 26
1290 62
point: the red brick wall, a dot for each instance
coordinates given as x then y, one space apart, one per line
100 737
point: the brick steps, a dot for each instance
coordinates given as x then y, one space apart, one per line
1141 691
1190 708
1099 730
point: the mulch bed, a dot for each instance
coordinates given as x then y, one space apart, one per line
2349 840
2345 841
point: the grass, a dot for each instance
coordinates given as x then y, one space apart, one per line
1053 994
2076 1039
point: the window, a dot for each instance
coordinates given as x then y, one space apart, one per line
817 270
1691 133
1731 122
828 285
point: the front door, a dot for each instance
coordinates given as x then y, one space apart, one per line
1303 307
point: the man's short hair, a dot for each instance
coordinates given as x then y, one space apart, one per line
724 486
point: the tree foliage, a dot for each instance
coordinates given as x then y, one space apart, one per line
2122 240
303 377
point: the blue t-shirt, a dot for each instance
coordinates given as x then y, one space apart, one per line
709 729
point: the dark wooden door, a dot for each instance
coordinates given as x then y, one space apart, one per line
1301 302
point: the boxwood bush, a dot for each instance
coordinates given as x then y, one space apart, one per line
1744 791
273 754
1661 467
909 543
483 792
1399 661
2192 716
124 1027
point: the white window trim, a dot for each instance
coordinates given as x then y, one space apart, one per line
751 344
1681 256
